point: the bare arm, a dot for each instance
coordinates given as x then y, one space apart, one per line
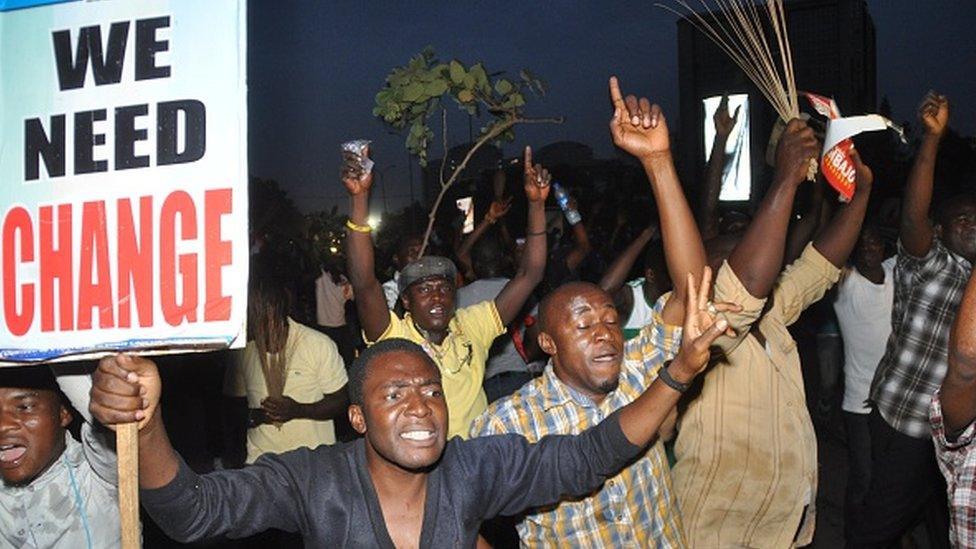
533 265
758 258
496 211
915 232
641 129
803 230
616 274
958 394
581 246
838 238
708 216
374 316
331 406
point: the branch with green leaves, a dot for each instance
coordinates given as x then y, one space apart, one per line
413 93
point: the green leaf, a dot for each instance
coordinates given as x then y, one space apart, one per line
480 76
413 92
470 81
457 73
518 99
503 87
436 88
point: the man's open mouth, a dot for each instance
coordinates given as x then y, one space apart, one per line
10 454
420 435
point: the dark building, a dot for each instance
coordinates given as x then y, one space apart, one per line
833 47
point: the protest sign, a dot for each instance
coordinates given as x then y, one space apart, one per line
123 177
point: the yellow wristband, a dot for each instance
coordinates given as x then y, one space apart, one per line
357 227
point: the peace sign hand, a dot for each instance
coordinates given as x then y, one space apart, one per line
703 325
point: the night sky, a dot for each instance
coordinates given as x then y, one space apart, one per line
314 68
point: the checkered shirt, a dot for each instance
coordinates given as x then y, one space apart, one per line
957 460
635 508
928 291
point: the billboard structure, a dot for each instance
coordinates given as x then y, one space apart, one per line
123 177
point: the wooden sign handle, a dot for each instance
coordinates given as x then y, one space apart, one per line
127 450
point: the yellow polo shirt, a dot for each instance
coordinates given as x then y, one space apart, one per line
461 358
314 368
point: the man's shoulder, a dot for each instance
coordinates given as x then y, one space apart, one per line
514 413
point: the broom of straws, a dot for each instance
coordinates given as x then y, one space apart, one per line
736 26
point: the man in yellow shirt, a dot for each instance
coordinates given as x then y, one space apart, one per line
457 340
307 387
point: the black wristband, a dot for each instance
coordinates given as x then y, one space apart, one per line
665 376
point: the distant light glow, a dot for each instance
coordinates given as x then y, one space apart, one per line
373 221
333 249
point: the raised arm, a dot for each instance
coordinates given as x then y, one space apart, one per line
496 211
958 395
916 232
374 315
836 241
641 129
581 246
708 216
758 258
616 274
803 230
533 264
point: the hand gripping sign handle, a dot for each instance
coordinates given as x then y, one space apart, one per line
127 450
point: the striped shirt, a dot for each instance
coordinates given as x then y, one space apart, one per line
746 470
636 507
928 291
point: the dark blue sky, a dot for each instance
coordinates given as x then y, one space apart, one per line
314 68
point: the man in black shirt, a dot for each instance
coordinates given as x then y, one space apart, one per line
403 484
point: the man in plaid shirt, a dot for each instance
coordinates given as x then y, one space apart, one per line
593 373
953 417
933 265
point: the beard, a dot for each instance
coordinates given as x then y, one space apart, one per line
609 385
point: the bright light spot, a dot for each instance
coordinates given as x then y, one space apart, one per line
333 249
373 221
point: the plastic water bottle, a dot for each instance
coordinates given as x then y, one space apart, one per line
562 198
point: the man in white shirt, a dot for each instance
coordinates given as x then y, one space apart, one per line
865 295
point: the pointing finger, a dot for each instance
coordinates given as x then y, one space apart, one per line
615 96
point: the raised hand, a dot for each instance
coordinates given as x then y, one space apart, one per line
723 122
537 179
934 113
353 176
637 126
863 174
703 325
796 147
498 208
125 389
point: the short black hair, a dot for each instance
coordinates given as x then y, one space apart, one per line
31 377
360 366
547 317
947 208
489 258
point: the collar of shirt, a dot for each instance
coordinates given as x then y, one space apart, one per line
556 393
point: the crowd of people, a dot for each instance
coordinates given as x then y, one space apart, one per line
496 391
